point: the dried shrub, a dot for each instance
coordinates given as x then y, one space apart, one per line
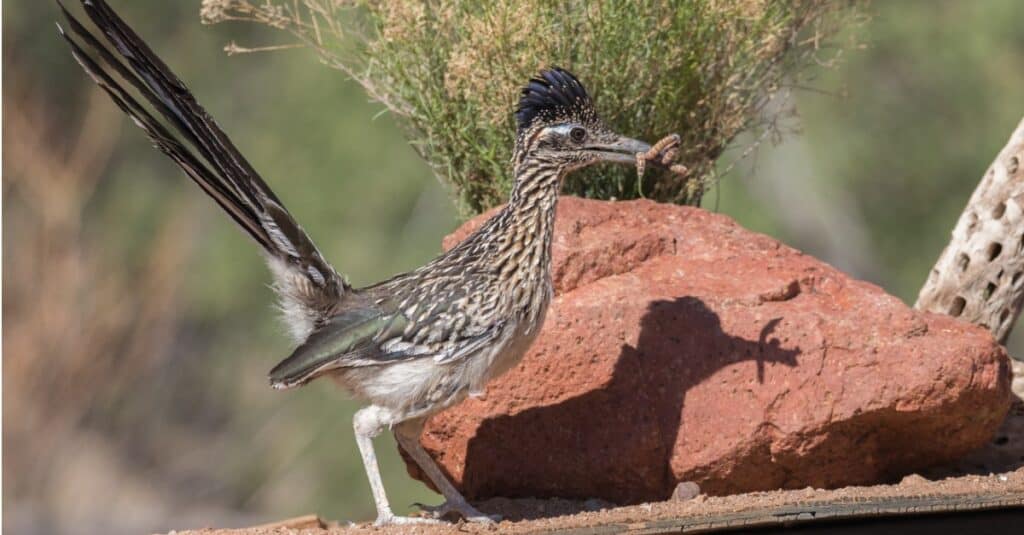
81 324
450 71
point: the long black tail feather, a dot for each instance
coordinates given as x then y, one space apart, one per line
220 169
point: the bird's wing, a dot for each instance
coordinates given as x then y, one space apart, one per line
307 284
342 338
383 331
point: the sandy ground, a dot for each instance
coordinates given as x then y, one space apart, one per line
914 493
992 476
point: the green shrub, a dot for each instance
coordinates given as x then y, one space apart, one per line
450 70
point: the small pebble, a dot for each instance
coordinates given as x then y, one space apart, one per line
687 490
913 479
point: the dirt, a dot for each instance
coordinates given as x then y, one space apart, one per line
914 493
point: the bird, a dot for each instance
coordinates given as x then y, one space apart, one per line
411 345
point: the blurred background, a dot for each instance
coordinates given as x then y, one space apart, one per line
138 323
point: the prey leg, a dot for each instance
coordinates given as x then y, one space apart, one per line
407 434
368 423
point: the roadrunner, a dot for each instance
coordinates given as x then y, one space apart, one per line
420 341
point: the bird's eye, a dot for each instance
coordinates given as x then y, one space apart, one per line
578 134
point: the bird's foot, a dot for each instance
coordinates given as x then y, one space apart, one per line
461 508
392 520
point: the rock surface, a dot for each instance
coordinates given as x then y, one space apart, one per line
682 347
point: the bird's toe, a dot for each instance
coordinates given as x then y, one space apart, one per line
462 509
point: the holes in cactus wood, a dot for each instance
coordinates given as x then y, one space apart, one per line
1003 316
999 210
1013 166
972 224
990 289
962 261
958 307
994 249
1016 277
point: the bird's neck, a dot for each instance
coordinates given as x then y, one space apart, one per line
530 216
537 182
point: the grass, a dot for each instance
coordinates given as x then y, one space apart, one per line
450 70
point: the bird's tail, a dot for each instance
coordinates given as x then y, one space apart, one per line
306 283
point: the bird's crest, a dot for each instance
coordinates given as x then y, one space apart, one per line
552 95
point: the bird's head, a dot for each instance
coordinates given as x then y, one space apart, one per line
557 123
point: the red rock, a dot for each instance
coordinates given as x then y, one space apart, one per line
682 347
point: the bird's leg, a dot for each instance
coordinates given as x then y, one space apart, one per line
368 423
408 434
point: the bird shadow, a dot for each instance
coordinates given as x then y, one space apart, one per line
601 444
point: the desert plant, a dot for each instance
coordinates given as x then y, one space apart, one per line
450 71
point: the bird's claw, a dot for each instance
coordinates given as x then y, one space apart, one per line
462 509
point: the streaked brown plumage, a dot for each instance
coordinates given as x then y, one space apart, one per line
418 342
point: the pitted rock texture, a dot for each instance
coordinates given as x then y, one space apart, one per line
682 347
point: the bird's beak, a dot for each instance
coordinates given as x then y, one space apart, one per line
622 150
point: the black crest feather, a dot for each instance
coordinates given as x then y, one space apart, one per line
554 94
